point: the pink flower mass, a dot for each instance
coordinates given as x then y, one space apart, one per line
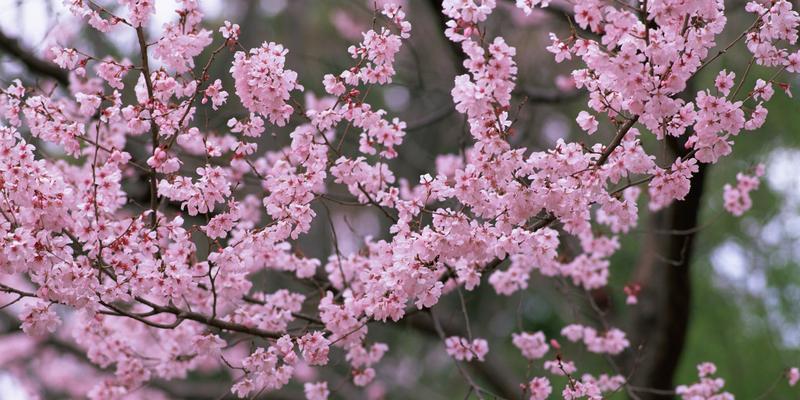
153 288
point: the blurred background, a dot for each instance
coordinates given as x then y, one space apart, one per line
741 275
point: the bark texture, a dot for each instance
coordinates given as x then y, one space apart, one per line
660 321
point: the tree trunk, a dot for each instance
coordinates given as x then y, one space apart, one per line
661 319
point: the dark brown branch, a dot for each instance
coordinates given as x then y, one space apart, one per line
617 140
35 64
153 125
207 320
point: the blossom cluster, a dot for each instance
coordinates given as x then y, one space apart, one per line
463 350
708 387
611 342
154 292
737 198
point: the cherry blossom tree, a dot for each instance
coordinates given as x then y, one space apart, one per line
139 296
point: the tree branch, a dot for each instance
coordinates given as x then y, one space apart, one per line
153 125
35 64
617 140
497 375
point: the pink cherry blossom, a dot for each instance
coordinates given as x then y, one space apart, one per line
724 82
65 58
316 391
539 388
230 31
262 83
737 198
527 6
216 94
532 346
708 387
39 319
157 245
587 122
793 376
463 350
315 348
